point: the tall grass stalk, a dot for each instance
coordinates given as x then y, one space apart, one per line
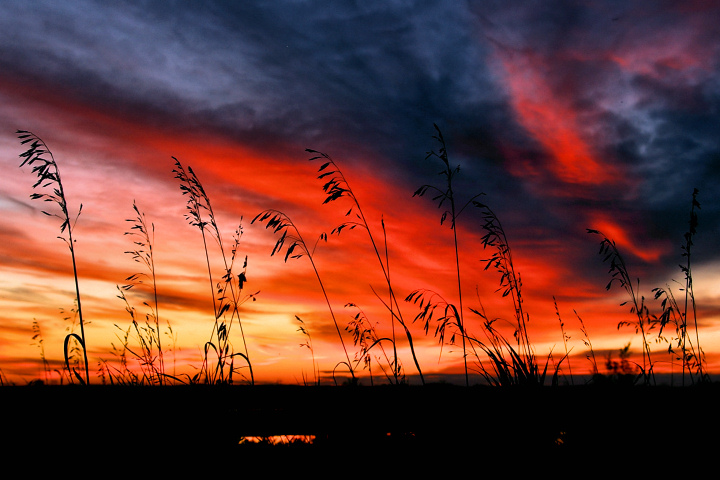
297 248
691 353
565 338
687 270
143 254
443 195
201 215
337 187
619 273
586 340
510 280
48 179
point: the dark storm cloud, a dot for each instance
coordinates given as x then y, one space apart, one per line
639 82
378 75
642 80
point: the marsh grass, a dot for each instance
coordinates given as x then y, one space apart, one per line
39 156
500 361
337 187
446 195
296 248
366 337
148 336
227 294
39 341
643 322
509 365
691 355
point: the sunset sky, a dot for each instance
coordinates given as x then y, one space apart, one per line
567 115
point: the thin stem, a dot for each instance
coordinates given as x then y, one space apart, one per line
48 173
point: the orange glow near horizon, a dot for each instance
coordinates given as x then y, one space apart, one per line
419 250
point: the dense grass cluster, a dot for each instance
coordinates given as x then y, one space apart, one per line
493 357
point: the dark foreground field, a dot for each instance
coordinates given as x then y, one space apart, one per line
429 421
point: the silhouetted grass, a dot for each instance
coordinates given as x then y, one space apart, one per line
508 365
297 248
48 180
309 345
365 336
337 187
565 337
643 323
37 337
149 335
226 295
499 361
444 194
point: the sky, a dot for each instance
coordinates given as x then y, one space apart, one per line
566 115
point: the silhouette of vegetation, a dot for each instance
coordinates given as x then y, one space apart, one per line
691 354
494 358
227 294
365 336
149 335
337 187
644 322
308 344
38 338
48 180
442 195
499 361
297 248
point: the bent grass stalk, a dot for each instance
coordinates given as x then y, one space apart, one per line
619 273
337 187
297 248
48 176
